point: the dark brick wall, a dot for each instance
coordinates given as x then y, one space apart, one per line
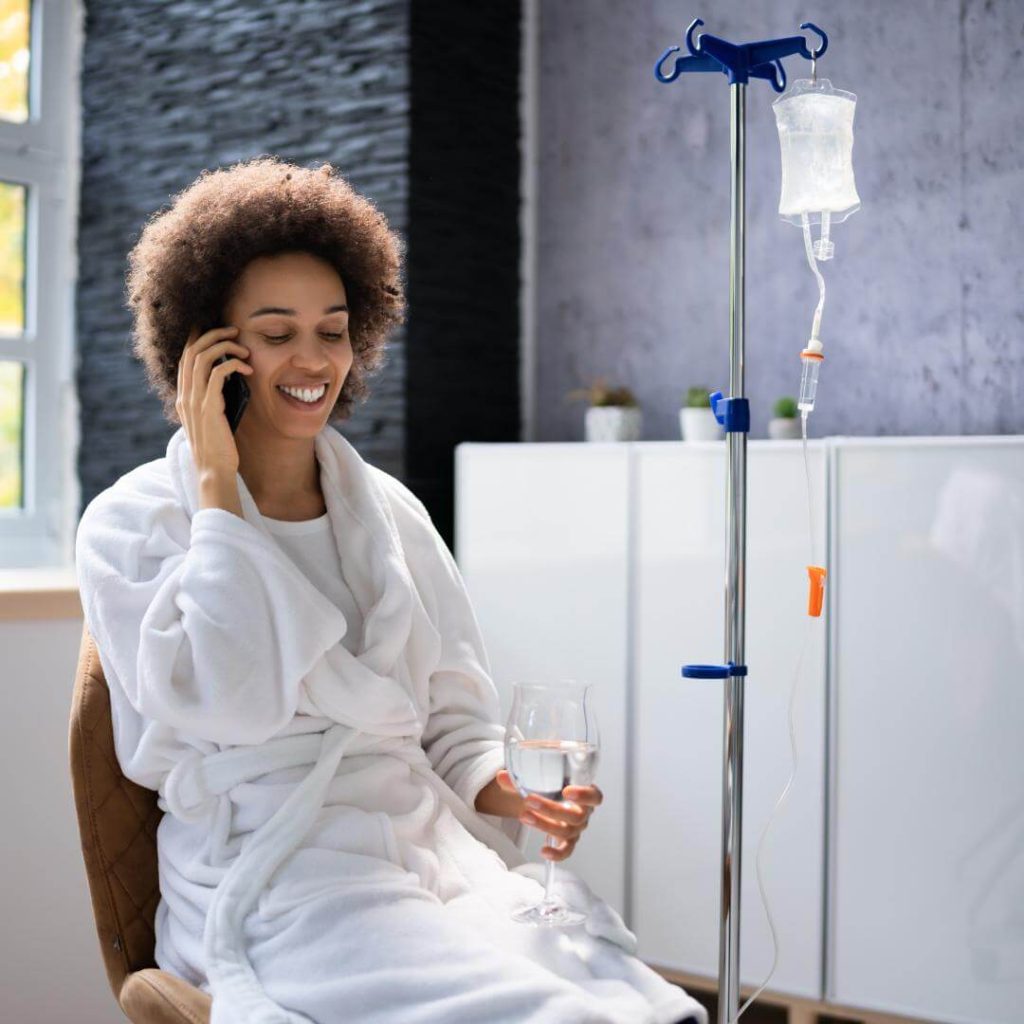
383 89
462 372
171 88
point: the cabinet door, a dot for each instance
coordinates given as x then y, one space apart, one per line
928 832
541 541
678 617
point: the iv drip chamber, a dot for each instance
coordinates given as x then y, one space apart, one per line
810 359
815 124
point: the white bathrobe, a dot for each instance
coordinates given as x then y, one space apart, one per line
320 858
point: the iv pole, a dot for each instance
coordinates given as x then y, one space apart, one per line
762 59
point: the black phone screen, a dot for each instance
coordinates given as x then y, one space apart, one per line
236 393
236 396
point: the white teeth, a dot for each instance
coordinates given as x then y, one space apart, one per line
305 394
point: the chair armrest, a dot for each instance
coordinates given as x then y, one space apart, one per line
152 996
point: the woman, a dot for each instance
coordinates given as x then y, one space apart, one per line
294 663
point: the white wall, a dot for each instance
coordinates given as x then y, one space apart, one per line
51 969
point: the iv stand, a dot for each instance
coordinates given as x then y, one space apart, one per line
741 62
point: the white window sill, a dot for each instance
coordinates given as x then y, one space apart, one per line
46 593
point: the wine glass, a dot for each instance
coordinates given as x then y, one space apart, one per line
551 741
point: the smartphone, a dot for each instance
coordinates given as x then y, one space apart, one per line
236 393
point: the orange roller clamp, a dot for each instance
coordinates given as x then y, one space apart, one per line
816 594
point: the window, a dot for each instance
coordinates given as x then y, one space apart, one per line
39 54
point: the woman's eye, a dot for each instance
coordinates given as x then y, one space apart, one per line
285 337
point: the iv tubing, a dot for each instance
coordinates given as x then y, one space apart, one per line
771 820
792 749
816 327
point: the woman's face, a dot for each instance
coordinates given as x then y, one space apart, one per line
292 314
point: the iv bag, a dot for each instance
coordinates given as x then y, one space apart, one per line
815 124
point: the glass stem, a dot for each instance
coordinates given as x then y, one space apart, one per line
549 872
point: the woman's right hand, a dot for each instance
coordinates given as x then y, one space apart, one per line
200 401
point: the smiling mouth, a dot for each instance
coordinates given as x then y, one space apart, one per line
300 403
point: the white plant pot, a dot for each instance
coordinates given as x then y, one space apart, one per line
785 429
612 423
700 425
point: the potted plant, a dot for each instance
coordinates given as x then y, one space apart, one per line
696 420
613 414
786 424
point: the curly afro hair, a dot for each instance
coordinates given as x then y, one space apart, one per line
187 258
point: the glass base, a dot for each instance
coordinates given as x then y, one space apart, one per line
552 914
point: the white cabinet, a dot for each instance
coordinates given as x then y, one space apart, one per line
605 562
895 870
928 669
541 534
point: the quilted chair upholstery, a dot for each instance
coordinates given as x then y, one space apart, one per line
117 821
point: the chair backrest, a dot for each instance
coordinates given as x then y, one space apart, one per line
117 821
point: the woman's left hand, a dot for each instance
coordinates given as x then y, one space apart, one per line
565 820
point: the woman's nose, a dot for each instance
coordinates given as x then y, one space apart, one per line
311 354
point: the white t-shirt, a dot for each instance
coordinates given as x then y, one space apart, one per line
310 544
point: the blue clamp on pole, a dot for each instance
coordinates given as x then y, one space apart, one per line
713 671
734 414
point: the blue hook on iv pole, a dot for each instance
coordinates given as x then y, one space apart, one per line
741 62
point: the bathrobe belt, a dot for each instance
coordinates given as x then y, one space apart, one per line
194 788
240 996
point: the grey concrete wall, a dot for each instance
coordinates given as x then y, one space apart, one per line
924 313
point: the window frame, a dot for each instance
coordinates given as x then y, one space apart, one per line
42 154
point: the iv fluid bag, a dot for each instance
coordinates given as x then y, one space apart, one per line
815 125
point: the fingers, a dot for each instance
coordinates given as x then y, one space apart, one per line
198 343
559 851
589 796
199 403
552 810
196 364
563 820
561 827
206 356
181 359
558 830
222 370
185 373
580 803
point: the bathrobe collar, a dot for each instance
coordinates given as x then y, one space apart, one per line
374 566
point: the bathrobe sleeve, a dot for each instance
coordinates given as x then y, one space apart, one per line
204 624
464 737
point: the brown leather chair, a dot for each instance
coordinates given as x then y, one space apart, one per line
117 821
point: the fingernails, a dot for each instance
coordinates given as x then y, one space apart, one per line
533 801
